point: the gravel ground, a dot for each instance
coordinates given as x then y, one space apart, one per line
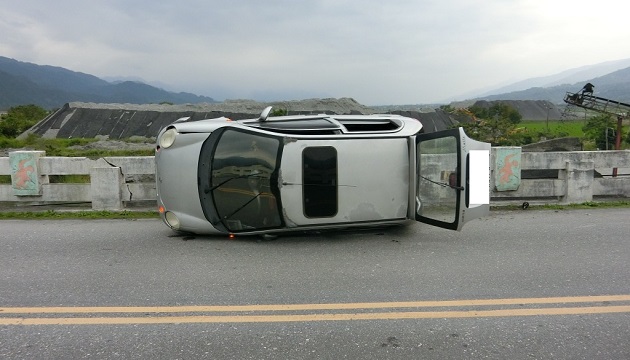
338 106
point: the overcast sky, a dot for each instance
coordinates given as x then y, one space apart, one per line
375 51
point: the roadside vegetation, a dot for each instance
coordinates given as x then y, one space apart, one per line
69 147
18 119
132 215
584 205
83 214
501 125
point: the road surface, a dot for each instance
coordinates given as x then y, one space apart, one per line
539 284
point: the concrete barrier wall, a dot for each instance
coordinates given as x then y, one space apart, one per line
116 183
565 177
113 182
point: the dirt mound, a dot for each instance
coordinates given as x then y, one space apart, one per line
529 109
124 121
337 106
120 121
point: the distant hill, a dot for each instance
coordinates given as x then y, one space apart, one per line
614 85
51 87
570 76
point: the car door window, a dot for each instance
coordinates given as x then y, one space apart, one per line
438 180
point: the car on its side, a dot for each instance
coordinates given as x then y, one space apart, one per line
270 175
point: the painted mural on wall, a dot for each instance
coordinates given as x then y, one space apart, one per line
507 168
24 173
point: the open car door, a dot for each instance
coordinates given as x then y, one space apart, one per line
452 179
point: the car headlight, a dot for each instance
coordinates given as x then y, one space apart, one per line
168 138
172 220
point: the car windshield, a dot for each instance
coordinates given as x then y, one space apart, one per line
243 181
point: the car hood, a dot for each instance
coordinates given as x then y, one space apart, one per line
176 181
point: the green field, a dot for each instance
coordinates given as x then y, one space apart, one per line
554 128
540 130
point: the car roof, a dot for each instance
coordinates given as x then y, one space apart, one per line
326 124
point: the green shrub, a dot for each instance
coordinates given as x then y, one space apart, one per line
62 147
20 118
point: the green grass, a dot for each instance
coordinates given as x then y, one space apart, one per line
62 147
539 130
554 128
585 205
69 179
94 215
83 214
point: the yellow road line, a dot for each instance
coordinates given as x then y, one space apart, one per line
315 317
301 307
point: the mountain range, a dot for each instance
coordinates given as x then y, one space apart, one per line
614 86
570 76
50 87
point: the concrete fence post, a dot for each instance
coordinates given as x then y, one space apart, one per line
106 188
578 178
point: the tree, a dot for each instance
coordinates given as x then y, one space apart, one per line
279 112
496 125
20 118
500 110
447 108
601 129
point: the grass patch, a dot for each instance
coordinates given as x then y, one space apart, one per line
55 179
98 153
69 179
554 128
95 215
83 214
63 147
584 205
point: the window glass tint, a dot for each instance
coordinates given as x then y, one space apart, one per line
437 177
241 181
369 125
306 126
299 124
320 181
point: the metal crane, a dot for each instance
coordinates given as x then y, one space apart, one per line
606 106
586 100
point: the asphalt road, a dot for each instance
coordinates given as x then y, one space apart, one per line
516 285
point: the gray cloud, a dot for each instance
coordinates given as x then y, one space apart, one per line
376 52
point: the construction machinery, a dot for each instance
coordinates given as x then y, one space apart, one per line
602 105
587 100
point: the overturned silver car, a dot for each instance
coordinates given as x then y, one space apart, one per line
270 175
